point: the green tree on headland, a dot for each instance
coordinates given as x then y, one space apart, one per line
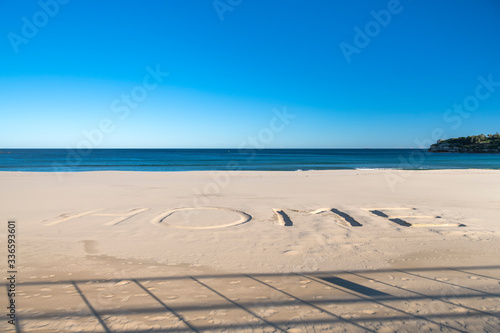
471 144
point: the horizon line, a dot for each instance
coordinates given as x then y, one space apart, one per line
205 148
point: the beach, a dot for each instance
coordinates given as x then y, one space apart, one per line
297 251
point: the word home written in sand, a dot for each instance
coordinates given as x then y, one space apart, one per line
200 218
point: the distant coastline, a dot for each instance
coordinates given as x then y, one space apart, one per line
471 144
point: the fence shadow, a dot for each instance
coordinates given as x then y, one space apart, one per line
324 296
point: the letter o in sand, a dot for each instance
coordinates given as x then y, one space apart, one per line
190 218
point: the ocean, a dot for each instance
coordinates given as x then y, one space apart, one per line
65 160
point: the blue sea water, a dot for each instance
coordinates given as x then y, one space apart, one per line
62 160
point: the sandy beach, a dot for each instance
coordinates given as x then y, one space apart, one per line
304 251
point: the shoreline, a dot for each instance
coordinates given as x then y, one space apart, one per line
250 171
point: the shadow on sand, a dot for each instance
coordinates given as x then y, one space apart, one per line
340 290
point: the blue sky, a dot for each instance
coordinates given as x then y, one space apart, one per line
230 63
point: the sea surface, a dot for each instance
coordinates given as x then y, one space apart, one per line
63 160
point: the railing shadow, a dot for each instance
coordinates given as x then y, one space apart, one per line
345 292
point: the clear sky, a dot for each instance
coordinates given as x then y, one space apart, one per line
353 73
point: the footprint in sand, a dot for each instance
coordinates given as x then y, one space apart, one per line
158 318
295 330
122 283
459 310
262 297
370 312
443 279
295 307
218 313
267 312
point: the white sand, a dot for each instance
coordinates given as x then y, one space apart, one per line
133 225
